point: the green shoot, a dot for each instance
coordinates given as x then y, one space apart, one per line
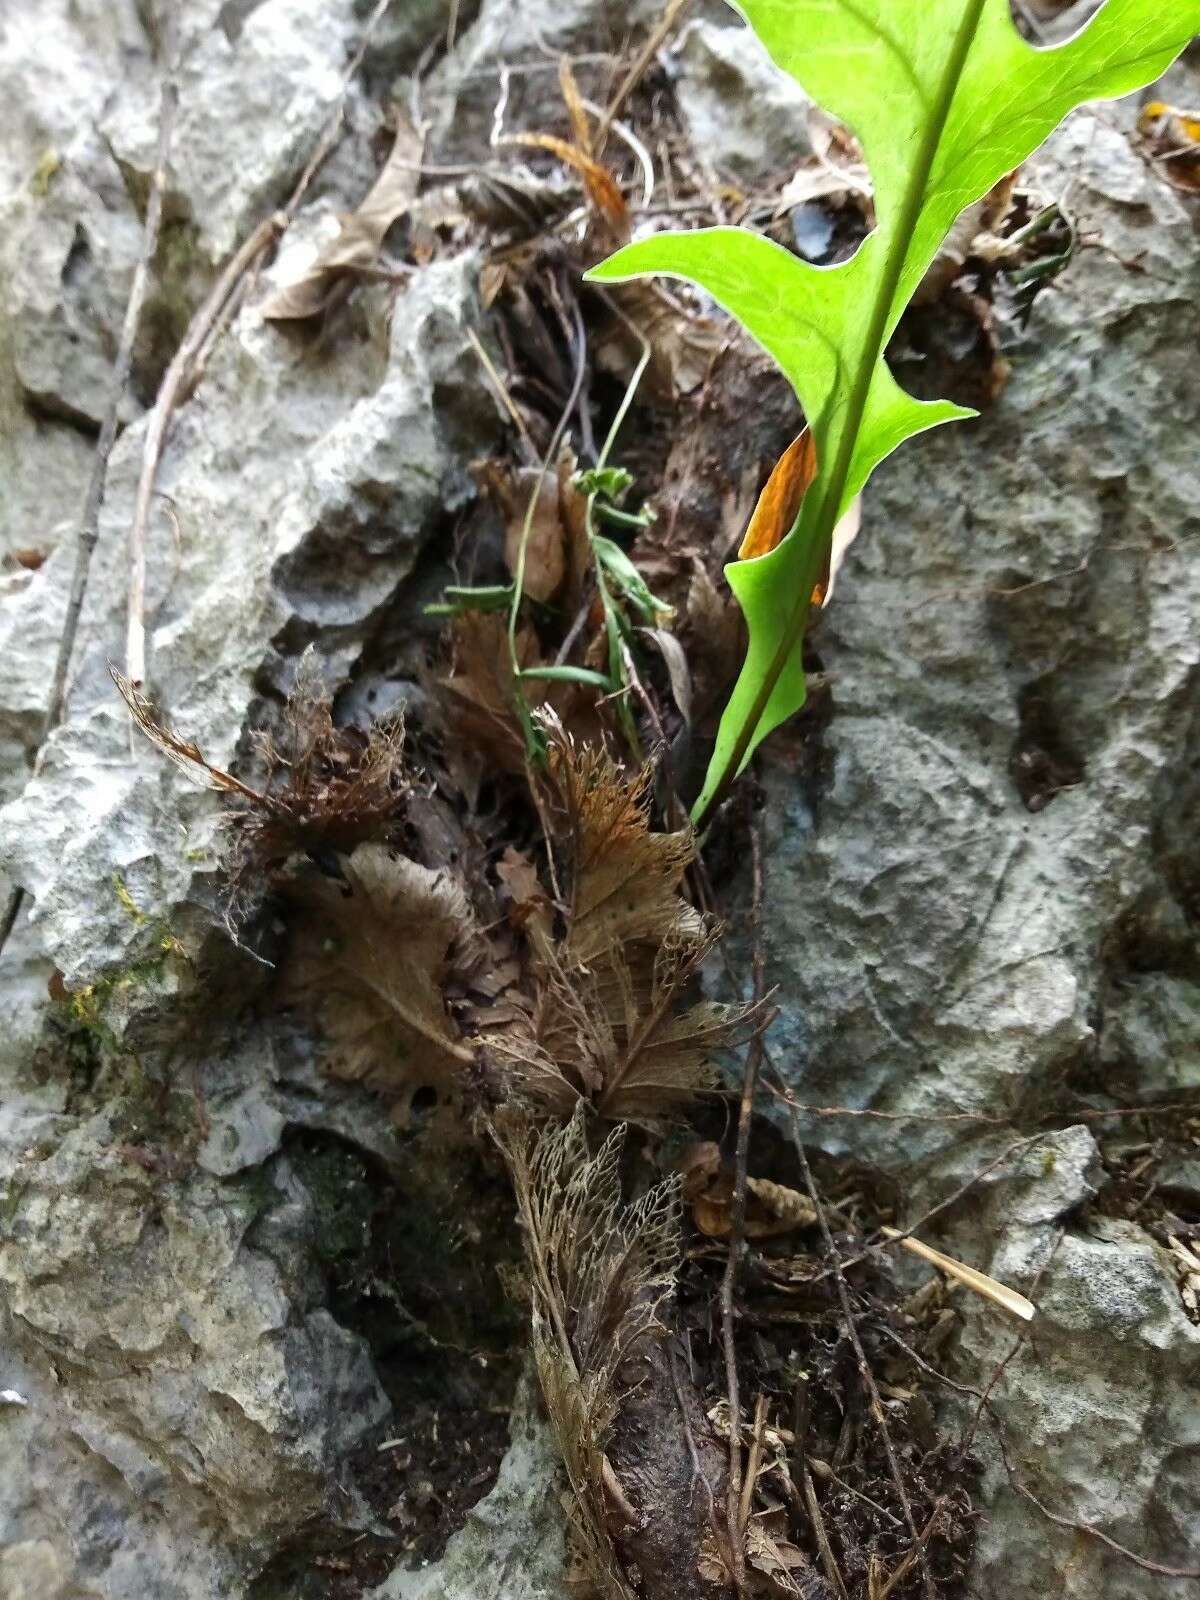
946 98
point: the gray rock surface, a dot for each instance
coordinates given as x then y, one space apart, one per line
985 900
746 120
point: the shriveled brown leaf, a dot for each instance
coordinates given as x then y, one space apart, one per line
625 877
529 909
678 670
572 510
599 184
1173 135
530 500
779 503
362 232
979 220
369 959
771 1208
773 1560
324 788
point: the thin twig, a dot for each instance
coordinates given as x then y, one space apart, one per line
203 330
864 1366
501 388
172 391
809 1505
642 60
1092 1532
737 1231
904 1566
753 1463
89 520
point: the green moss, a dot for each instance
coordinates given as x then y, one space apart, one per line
43 176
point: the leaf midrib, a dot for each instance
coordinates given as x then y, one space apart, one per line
871 352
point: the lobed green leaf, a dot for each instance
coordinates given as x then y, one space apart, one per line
945 97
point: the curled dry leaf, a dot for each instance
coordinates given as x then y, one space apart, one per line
771 1208
1174 138
779 503
369 958
978 221
529 909
556 544
362 232
599 184
678 670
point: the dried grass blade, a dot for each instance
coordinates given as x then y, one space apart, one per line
1000 1294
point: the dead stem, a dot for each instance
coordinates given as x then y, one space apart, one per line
641 61
737 1232
864 1367
753 1463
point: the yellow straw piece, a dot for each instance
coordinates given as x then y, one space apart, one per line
989 1288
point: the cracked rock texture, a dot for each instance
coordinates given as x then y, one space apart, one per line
986 900
988 894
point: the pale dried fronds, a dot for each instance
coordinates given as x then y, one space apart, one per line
369 958
599 1270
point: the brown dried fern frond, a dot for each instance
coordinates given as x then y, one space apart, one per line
325 788
369 958
599 1270
625 878
611 1022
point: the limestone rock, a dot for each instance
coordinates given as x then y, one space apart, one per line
985 890
746 120
513 1545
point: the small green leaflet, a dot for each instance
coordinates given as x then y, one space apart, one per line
945 97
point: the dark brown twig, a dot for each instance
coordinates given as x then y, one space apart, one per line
672 14
737 1233
860 1355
